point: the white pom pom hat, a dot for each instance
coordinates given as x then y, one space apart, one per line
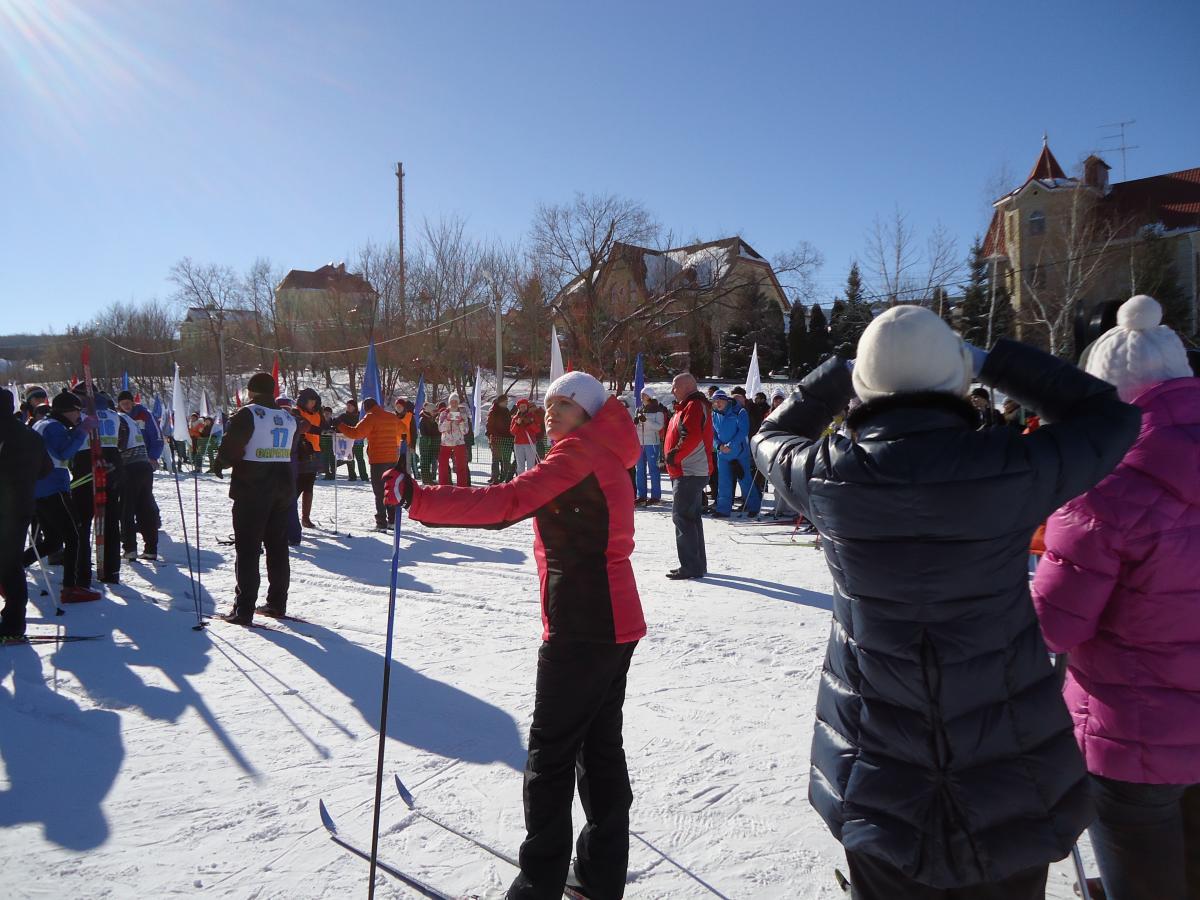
1139 351
909 349
580 387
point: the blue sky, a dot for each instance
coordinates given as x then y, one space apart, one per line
133 134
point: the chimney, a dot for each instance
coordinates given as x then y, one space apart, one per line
1095 173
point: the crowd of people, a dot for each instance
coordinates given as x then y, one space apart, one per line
945 758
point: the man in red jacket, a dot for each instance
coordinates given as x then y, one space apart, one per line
689 439
581 500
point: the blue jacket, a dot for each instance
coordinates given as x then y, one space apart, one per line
151 433
62 444
731 427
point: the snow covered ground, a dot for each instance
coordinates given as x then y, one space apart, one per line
162 761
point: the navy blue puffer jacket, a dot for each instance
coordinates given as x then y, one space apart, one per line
942 743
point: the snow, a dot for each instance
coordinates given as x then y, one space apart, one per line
163 761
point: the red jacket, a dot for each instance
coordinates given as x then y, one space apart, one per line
689 438
526 427
581 500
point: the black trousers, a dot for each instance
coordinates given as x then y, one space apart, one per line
58 529
139 510
384 514
576 735
261 523
873 879
686 508
110 566
14 530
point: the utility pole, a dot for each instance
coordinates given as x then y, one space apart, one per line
400 216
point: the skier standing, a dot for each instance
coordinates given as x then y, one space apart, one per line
139 455
23 461
582 503
525 429
114 433
1118 590
688 450
731 429
312 464
943 758
258 447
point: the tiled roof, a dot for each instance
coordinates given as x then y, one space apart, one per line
1046 168
1172 199
995 243
328 277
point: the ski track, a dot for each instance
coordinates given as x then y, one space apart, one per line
171 762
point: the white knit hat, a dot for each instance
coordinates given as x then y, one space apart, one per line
910 349
580 387
1139 351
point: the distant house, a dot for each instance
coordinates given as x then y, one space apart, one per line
716 280
307 298
1054 227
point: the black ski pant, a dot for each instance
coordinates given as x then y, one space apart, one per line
261 524
687 505
110 566
576 735
139 510
14 530
873 879
58 529
384 514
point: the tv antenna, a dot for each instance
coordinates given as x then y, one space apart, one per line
1123 147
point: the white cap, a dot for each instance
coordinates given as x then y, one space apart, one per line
909 349
1139 351
580 387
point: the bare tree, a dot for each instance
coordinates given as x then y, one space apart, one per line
215 291
1070 260
903 271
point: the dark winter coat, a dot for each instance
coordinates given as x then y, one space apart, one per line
251 480
942 743
23 460
498 421
581 501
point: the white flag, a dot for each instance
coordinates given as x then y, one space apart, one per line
476 403
204 413
343 448
556 363
179 428
753 378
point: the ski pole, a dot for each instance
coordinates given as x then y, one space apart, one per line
402 465
186 543
199 587
33 536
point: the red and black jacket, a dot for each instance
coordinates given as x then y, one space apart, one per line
581 499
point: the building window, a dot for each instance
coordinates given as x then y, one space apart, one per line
1037 222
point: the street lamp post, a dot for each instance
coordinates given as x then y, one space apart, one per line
491 279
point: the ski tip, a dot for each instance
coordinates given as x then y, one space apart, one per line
405 794
326 818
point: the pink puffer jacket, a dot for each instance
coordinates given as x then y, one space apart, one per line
1119 590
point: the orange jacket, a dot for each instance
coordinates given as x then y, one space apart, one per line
382 431
408 431
314 419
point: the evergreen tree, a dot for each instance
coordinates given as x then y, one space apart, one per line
975 303
1004 318
1152 271
761 324
818 338
940 304
857 315
837 323
798 339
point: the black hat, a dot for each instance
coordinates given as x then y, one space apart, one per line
981 393
65 402
36 391
739 390
7 402
124 395
262 384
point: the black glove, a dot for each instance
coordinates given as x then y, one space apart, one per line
672 456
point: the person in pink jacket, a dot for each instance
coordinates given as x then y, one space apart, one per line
1118 589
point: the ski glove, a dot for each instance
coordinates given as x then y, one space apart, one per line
397 488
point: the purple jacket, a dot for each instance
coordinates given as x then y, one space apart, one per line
1119 589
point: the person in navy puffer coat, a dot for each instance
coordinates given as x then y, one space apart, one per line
731 441
943 757
1118 590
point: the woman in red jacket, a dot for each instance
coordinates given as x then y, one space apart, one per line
581 500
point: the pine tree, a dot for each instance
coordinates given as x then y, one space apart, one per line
798 339
1152 271
1004 317
973 320
818 338
761 324
837 323
857 315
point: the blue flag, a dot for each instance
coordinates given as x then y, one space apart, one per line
370 383
125 380
420 401
639 382
157 410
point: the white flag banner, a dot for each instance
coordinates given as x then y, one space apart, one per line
179 428
343 448
476 404
204 413
753 378
556 363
